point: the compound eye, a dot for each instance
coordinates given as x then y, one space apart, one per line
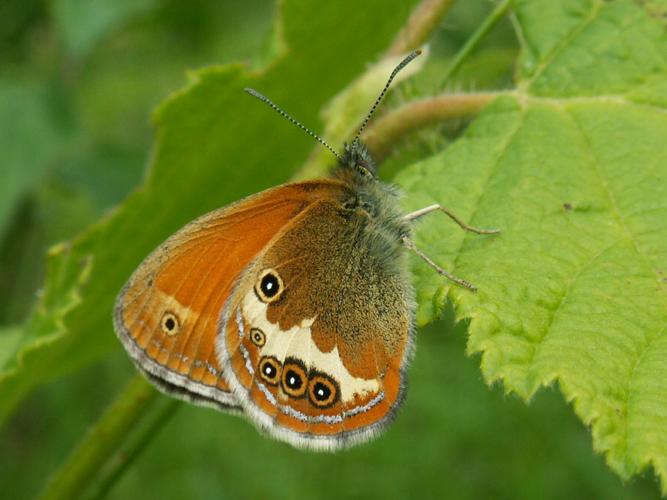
294 379
270 286
269 370
322 390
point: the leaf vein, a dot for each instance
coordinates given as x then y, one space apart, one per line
566 292
618 217
492 171
563 43
650 342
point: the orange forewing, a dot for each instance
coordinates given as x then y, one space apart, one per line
185 282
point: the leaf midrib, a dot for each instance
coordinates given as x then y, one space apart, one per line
561 45
491 173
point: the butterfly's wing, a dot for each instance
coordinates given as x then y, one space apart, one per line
316 334
167 314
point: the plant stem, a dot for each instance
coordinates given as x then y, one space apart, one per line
385 132
158 416
487 25
341 124
419 27
102 441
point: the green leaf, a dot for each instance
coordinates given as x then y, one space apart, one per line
10 336
32 134
453 435
84 23
206 155
38 348
572 166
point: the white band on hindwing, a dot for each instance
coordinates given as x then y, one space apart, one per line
286 409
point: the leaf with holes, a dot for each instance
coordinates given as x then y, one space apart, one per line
572 166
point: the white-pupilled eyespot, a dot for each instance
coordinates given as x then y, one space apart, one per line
270 370
322 390
294 380
269 286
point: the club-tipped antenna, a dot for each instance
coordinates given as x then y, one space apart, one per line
397 69
284 114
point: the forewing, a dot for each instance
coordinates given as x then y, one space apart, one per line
168 312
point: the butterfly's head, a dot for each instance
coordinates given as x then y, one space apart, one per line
358 159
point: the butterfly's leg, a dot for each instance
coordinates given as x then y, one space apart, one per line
461 282
432 208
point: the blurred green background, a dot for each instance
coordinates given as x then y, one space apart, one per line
78 82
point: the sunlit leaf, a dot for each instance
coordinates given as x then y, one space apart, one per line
573 168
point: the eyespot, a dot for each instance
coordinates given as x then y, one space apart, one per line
270 286
294 380
170 324
258 337
322 390
269 370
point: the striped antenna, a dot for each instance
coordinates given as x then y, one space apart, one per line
284 114
398 68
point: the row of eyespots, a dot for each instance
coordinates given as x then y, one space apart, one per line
296 381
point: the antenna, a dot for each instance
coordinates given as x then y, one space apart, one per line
284 114
398 68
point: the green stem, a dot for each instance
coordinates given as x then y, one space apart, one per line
102 441
343 122
423 20
487 25
125 456
385 133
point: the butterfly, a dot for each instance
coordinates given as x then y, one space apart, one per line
292 306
